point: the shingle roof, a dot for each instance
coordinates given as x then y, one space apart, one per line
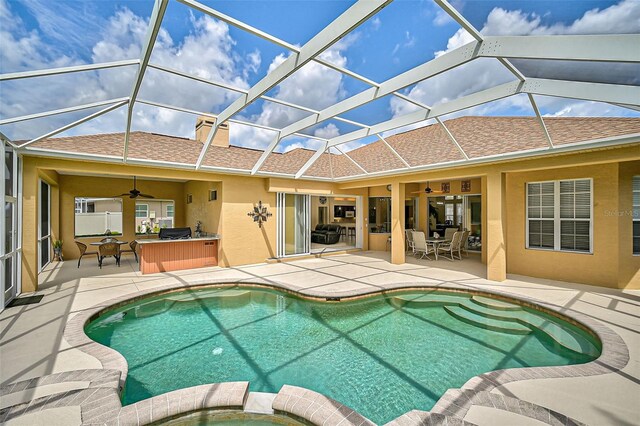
478 136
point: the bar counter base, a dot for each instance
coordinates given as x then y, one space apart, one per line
176 255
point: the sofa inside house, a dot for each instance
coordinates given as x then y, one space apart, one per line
326 234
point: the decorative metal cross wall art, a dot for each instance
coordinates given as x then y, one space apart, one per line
259 214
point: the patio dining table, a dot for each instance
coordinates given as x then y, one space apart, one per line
436 243
97 243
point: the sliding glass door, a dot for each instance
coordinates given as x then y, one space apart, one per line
460 212
44 225
293 224
9 235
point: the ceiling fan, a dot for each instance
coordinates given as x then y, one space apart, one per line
134 193
428 190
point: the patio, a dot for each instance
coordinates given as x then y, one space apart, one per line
34 345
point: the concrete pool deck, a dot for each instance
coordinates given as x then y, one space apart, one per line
33 343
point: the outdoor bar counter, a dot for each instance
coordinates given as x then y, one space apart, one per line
158 255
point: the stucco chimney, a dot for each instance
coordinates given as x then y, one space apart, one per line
203 127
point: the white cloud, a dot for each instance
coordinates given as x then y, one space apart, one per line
305 143
207 51
442 18
409 42
327 132
376 23
477 75
313 86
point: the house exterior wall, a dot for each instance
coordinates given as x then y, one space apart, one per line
599 268
243 242
611 264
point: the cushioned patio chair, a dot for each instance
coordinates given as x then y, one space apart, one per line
108 249
83 251
133 246
452 247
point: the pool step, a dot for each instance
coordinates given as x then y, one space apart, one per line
428 299
562 336
489 302
488 323
207 294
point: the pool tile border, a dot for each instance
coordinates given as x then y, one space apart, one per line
614 356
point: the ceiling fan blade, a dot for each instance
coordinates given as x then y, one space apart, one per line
146 196
122 195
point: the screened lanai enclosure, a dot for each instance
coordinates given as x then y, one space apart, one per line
155 84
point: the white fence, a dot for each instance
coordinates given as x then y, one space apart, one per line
98 223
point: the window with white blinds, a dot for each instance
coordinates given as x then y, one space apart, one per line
541 214
559 215
636 214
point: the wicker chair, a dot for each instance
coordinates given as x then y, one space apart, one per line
83 251
452 247
108 240
134 245
108 249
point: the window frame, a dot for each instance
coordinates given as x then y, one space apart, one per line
146 210
557 219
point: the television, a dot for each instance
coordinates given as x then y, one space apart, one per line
344 211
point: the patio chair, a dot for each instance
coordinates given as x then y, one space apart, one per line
83 251
108 249
448 233
420 245
408 238
464 245
108 240
452 247
134 245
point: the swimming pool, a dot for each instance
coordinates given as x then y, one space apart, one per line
382 355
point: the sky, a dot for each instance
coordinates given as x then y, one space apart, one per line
38 34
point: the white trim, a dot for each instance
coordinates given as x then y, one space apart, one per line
65 70
557 219
42 237
60 111
76 123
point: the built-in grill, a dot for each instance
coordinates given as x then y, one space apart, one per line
174 233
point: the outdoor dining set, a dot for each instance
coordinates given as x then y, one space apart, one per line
107 247
451 245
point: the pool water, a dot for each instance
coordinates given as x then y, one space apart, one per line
375 355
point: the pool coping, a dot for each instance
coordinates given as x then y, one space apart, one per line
614 352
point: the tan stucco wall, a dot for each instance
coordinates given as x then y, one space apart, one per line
201 209
243 242
30 191
601 267
629 270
